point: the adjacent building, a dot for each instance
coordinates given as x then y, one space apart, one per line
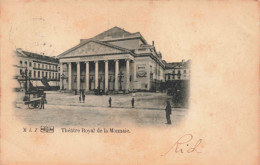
40 71
177 70
177 82
115 60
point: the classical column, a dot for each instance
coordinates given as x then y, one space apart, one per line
134 75
106 75
127 74
87 76
116 74
96 74
78 76
69 76
61 75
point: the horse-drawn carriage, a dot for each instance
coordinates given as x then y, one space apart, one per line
33 98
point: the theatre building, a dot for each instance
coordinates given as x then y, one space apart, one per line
115 60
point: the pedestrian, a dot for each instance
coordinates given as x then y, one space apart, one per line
109 101
83 97
80 98
42 102
168 111
133 102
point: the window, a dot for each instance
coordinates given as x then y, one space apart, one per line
25 62
30 73
38 73
38 65
169 77
21 62
173 77
43 66
21 72
184 71
34 74
30 64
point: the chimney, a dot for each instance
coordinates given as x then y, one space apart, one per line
153 43
182 61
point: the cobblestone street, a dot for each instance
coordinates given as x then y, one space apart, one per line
64 109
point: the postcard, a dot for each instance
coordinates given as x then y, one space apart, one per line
129 82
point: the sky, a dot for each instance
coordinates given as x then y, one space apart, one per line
180 30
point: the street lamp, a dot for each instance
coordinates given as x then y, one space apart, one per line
25 74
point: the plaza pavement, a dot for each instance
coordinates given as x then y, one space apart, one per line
64 109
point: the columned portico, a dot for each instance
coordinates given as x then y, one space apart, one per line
96 74
104 72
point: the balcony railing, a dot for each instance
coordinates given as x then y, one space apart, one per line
36 68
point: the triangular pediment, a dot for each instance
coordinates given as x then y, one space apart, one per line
92 48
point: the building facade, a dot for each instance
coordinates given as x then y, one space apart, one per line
115 60
177 70
41 71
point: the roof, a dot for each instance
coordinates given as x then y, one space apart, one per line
116 33
174 65
37 56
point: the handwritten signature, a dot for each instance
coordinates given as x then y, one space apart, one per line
183 145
